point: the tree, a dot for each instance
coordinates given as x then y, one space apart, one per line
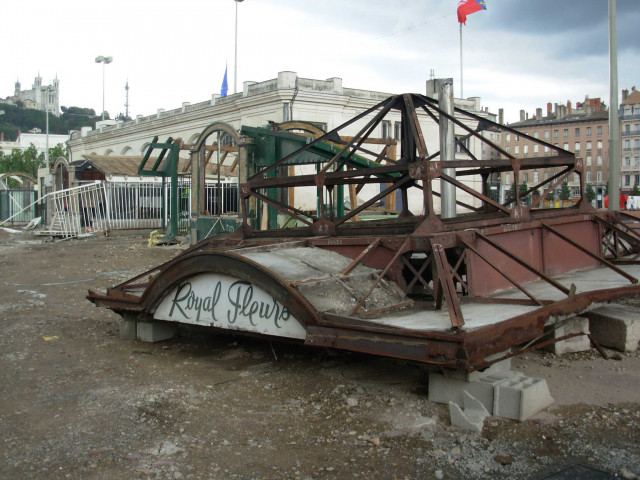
29 160
636 191
590 193
565 192
522 191
511 194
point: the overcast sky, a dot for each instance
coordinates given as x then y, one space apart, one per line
517 53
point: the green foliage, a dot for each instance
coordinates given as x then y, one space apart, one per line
16 119
28 161
565 192
636 191
511 195
550 196
590 193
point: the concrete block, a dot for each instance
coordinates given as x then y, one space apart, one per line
521 397
128 330
506 394
615 327
574 344
471 416
497 368
155 331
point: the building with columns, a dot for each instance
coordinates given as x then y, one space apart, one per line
630 137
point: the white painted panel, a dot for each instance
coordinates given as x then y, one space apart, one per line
217 300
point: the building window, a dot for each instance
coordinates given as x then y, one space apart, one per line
386 129
577 132
599 144
627 161
637 126
507 178
546 134
516 149
536 177
589 176
636 180
577 149
588 146
565 133
566 146
599 176
627 128
516 137
588 160
526 178
536 135
599 160
397 131
576 178
627 180
535 148
636 161
588 131
525 149
546 149
636 144
599 130
627 144
461 141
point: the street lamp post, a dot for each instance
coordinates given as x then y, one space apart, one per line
103 60
46 91
235 63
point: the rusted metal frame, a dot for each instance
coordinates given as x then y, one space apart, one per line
524 264
447 287
464 127
414 125
389 308
508 277
610 243
454 271
418 274
508 129
356 261
474 193
484 364
371 201
329 136
393 260
628 236
569 171
459 203
505 301
560 176
631 231
459 142
598 347
545 192
518 330
357 140
286 209
619 271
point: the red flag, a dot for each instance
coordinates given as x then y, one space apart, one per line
467 7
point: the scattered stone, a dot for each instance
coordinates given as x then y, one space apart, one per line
439 474
352 402
504 459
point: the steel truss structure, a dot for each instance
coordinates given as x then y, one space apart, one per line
480 257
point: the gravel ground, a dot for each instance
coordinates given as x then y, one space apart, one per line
79 402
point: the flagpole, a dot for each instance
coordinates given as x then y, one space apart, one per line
461 88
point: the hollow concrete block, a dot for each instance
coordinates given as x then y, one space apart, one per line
471 416
128 327
155 331
615 327
580 343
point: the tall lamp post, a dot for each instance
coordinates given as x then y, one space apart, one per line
46 91
235 63
103 60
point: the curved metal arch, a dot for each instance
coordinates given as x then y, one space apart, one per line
304 126
215 127
23 175
233 265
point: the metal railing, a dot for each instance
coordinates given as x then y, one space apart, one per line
17 206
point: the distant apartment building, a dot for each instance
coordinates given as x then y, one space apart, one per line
630 138
583 130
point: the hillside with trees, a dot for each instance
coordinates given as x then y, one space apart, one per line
16 119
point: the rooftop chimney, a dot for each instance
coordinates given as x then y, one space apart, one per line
538 113
625 94
549 109
501 116
522 117
569 107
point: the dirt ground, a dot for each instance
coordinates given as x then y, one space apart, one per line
78 402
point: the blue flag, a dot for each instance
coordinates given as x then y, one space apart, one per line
225 87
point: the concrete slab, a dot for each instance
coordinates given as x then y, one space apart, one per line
155 331
573 344
506 394
615 327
